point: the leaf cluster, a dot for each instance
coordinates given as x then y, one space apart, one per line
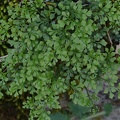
58 48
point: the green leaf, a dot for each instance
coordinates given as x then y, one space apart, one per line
108 108
32 37
78 110
103 42
59 116
111 95
1 95
89 13
119 51
61 23
73 83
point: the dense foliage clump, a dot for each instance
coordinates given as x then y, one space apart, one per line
59 47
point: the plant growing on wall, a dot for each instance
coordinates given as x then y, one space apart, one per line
4 15
59 48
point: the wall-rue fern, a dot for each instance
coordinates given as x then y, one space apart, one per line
59 47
